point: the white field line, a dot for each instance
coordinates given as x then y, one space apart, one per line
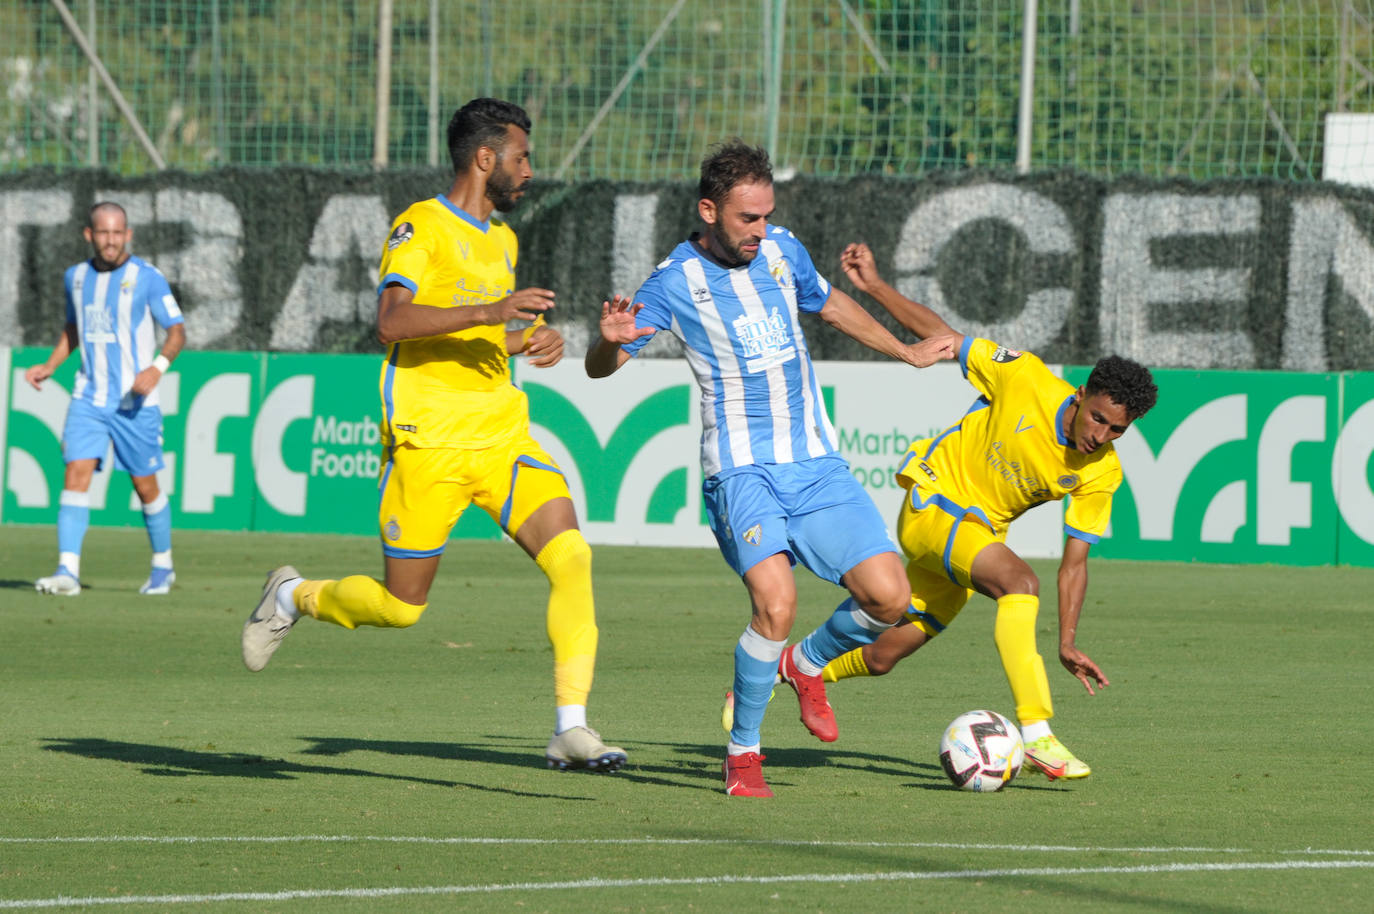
761 842
1019 872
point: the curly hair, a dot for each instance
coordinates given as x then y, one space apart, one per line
482 122
1125 382
731 163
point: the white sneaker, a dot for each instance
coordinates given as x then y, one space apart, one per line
61 582
581 747
160 581
265 628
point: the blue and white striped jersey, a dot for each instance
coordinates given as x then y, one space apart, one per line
760 400
113 313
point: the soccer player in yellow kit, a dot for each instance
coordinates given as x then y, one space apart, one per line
455 430
1030 438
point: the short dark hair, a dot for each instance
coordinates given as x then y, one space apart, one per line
729 164
1125 382
101 206
482 122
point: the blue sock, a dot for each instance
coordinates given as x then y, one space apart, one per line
847 628
73 518
157 517
756 670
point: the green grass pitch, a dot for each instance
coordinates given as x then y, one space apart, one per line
143 768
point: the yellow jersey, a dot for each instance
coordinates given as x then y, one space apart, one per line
1009 453
452 390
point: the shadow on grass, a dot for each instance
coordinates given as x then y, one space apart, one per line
16 584
166 761
694 766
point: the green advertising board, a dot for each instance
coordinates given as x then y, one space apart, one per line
1230 467
1236 467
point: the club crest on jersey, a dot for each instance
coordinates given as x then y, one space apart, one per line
392 529
1003 354
400 235
701 295
1068 481
753 535
781 273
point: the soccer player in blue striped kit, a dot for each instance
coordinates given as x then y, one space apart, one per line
777 490
112 300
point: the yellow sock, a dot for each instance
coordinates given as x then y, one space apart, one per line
1014 633
353 601
567 561
845 666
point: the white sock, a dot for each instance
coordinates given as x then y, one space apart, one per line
734 748
1032 732
71 561
570 716
162 559
286 606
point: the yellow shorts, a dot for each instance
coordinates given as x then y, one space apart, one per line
425 490
940 540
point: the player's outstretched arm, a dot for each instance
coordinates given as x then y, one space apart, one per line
400 318
617 326
861 267
1073 586
847 316
66 343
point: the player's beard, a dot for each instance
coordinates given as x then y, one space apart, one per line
503 192
733 250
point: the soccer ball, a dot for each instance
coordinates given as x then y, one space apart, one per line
981 751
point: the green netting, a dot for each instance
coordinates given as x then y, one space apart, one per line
637 90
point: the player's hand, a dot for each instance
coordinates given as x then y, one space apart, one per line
860 266
618 321
145 381
545 347
521 305
935 349
37 374
1083 668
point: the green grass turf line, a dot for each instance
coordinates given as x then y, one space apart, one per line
1230 752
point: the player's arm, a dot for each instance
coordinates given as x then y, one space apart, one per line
65 345
859 265
400 318
1073 586
845 315
147 379
606 354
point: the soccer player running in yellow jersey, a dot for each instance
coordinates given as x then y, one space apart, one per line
455 430
1030 438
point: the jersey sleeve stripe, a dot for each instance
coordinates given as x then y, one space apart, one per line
1089 538
397 278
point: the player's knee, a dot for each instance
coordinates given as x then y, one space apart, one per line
1018 581
889 602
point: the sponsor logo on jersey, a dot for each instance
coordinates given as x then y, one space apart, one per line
1003 354
399 236
925 467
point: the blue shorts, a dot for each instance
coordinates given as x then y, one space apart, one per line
136 434
815 511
